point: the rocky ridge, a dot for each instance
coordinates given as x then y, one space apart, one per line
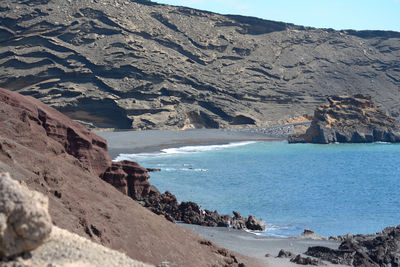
140 65
25 222
349 119
61 159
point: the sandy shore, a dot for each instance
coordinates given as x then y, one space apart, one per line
155 140
258 246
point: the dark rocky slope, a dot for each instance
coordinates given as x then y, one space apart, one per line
349 119
137 64
61 159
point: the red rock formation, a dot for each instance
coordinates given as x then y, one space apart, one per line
128 177
88 148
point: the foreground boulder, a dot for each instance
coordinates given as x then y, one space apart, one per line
24 218
349 119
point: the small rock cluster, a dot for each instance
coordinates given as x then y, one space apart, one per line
381 249
24 219
298 258
189 212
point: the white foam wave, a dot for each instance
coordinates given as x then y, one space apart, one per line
194 149
181 150
185 169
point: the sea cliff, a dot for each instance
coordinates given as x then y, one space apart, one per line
349 119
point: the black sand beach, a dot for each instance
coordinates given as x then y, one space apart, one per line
155 140
257 246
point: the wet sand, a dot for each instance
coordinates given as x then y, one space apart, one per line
258 246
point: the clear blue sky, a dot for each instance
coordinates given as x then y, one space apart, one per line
336 14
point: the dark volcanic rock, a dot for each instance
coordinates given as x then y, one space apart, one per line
286 254
253 223
349 119
141 65
381 249
305 261
189 212
332 255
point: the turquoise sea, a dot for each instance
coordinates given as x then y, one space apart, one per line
331 189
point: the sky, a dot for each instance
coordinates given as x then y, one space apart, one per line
336 14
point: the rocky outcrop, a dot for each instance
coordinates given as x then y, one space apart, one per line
79 200
381 249
308 234
25 222
349 119
141 65
39 119
189 212
129 178
253 223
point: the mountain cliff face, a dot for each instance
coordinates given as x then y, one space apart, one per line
141 65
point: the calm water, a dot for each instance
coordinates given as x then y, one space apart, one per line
332 189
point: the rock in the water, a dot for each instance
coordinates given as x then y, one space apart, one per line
308 234
255 224
349 119
24 219
189 212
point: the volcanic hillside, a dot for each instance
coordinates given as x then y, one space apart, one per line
138 64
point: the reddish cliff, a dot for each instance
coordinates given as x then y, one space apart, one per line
128 177
61 159
34 119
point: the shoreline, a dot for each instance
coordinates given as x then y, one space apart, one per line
240 241
245 243
257 246
156 140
